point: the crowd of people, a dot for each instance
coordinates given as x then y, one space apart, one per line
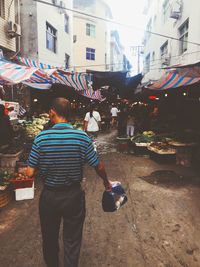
124 117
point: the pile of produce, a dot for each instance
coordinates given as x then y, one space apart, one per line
145 137
32 128
161 147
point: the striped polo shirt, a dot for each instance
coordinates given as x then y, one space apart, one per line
60 153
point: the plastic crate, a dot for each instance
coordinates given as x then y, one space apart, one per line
24 193
23 183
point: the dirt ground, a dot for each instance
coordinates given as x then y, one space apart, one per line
158 227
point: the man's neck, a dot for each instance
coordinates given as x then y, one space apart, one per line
61 120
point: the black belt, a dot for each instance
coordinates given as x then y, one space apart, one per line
62 187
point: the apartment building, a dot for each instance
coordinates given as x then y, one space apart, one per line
47 32
116 52
92 36
10 30
172 35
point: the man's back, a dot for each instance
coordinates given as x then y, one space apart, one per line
61 153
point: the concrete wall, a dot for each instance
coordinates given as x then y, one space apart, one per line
29 38
33 18
101 41
5 41
170 27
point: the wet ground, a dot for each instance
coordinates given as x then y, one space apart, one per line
158 227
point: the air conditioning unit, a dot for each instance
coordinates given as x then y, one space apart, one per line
13 29
55 2
165 59
176 9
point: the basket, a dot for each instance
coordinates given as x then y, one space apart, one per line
23 183
5 197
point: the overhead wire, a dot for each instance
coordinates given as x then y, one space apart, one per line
115 22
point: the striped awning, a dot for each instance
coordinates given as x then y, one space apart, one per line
11 73
173 79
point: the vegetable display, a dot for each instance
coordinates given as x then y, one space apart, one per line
32 128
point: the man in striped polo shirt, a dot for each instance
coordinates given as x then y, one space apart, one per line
59 155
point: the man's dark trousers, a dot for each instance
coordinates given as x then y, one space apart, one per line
67 203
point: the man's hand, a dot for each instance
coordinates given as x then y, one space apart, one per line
108 185
30 172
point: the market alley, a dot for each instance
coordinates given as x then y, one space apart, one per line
158 227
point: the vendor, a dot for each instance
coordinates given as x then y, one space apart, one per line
5 127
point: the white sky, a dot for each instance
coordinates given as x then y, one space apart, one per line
129 12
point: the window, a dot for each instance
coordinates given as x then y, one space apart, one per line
149 29
90 53
51 37
67 57
66 18
90 30
153 56
164 49
147 63
2 8
183 33
166 10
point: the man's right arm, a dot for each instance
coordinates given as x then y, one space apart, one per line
100 170
93 160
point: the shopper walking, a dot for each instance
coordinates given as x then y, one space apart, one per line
59 154
130 125
92 122
114 112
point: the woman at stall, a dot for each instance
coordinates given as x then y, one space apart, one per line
6 131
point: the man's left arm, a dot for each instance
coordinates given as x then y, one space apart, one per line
33 161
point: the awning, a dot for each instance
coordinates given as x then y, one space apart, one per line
11 73
174 79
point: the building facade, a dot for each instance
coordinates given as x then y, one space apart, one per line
172 35
91 46
47 32
9 25
116 53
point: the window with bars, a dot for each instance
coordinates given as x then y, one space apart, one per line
90 53
183 33
67 58
51 38
2 8
164 49
147 63
166 10
90 30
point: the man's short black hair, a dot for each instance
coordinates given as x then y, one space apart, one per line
62 107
